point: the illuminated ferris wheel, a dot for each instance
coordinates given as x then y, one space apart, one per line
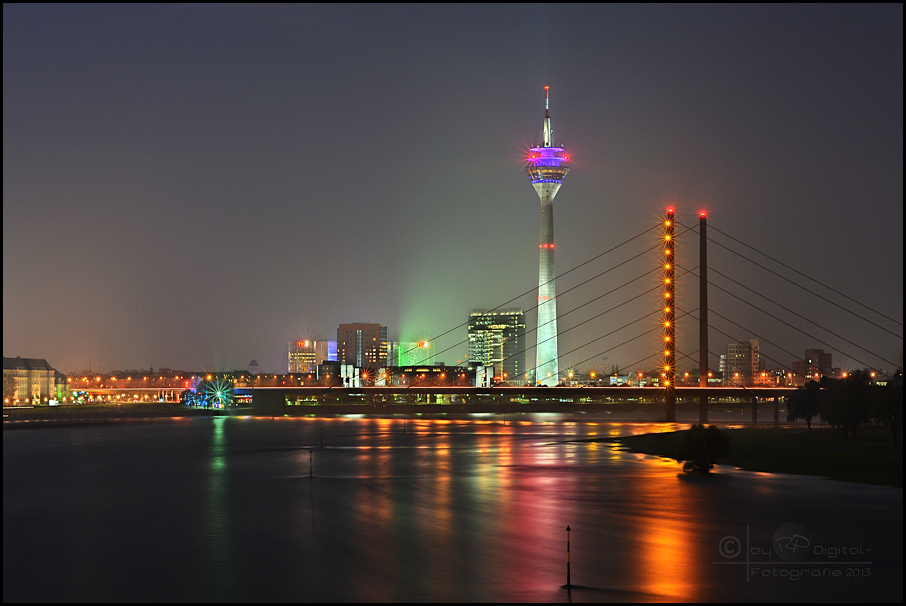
218 392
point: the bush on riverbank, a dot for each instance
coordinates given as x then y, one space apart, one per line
701 447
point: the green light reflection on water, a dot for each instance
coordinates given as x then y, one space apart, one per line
218 550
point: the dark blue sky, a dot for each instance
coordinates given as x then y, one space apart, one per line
194 186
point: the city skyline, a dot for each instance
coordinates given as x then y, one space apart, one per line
192 187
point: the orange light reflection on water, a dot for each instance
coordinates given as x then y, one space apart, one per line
517 484
664 555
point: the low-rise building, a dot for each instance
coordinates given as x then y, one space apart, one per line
28 381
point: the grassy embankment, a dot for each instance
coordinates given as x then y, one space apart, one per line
872 458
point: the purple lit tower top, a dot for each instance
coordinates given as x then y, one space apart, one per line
546 167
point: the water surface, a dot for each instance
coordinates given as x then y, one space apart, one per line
391 509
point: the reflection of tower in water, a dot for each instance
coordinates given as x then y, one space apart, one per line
546 167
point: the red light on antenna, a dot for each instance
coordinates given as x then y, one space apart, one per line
703 214
546 87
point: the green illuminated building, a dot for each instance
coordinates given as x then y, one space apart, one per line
412 353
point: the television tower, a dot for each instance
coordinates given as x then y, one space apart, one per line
546 167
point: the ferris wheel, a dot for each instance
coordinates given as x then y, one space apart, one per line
218 392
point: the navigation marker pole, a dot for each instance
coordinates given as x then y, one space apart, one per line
567 556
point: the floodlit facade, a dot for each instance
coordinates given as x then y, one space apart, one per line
29 379
546 166
497 339
412 353
306 354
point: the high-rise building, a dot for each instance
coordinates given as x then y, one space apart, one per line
813 366
363 345
412 353
742 364
497 339
306 354
546 167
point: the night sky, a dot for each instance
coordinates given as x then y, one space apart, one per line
194 186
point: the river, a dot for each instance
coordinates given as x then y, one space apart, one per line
473 508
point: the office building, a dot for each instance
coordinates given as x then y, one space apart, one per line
813 366
363 345
497 339
306 354
742 365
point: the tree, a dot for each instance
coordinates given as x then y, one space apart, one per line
804 403
846 403
9 387
701 446
887 404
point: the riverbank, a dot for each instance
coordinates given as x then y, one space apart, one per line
872 458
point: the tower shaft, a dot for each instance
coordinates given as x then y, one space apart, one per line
548 368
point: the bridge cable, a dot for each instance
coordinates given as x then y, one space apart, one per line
788 324
762 354
624 342
587 303
861 317
656 246
656 287
589 319
797 329
805 276
534 289
797 315
592 317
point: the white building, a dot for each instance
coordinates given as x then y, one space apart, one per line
742 364
28 379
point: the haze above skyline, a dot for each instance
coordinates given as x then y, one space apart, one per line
195 186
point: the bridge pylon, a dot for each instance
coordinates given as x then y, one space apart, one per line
668 332
703 316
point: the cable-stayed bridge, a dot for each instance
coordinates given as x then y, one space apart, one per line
653 316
